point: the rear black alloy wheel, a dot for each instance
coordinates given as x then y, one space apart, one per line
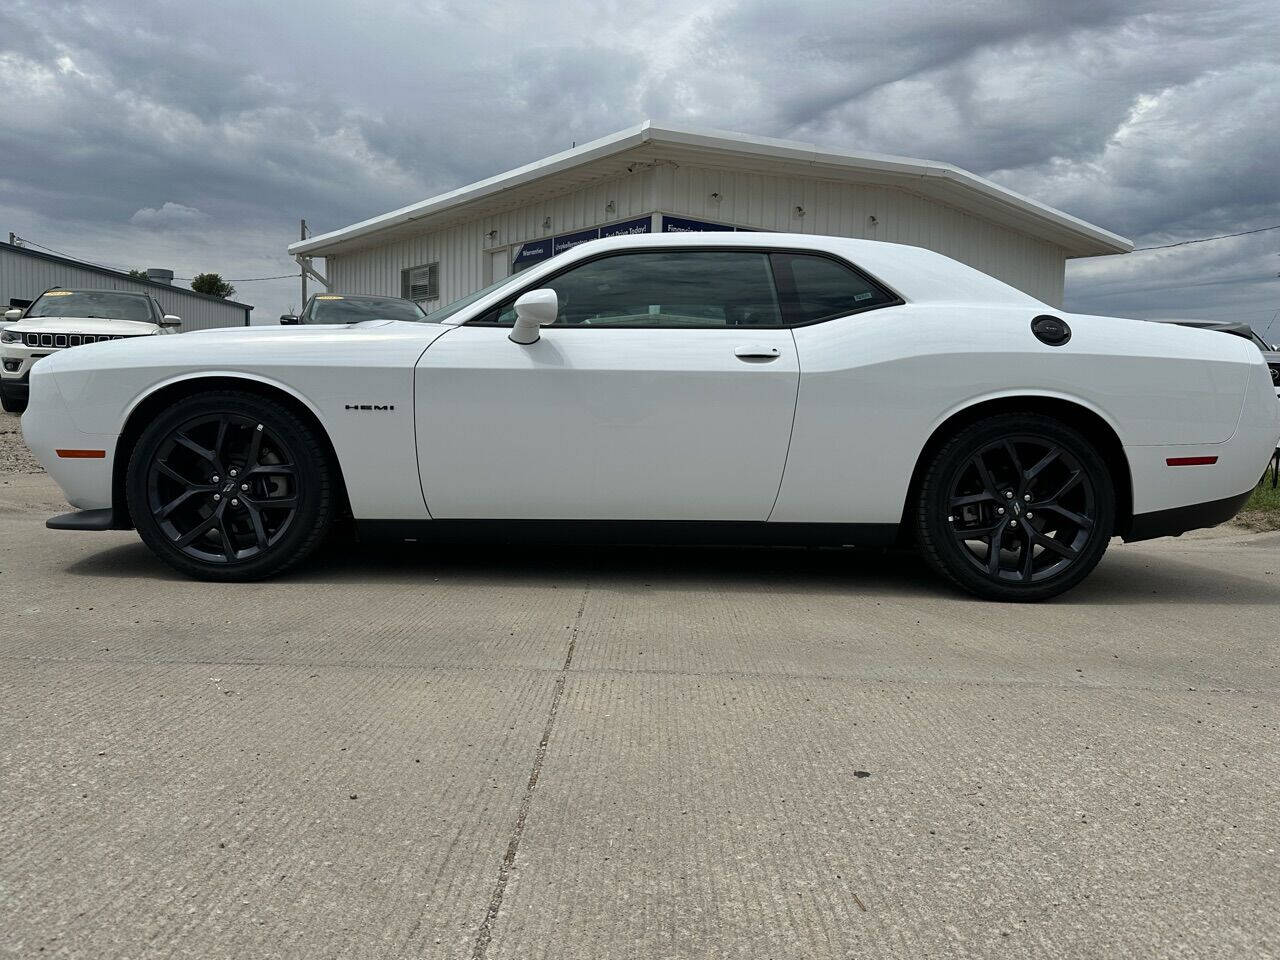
230 487
1019 507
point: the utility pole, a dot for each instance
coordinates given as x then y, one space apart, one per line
302 235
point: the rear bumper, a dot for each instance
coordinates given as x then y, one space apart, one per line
1178 520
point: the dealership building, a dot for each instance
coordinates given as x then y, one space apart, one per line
662 179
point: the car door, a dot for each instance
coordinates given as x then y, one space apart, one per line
664 391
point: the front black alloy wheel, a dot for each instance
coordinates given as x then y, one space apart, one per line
1018 507
228 486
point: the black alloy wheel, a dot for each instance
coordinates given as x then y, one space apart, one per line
228 486
1020 507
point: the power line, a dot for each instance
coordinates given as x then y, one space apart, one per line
1225 236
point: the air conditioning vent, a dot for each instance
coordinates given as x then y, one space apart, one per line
421 283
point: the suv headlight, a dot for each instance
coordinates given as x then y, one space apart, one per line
8 337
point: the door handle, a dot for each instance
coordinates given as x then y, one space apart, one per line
750 352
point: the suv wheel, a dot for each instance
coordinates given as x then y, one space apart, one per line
1017 507
9 402
228 486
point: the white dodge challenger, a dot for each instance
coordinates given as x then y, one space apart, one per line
729 388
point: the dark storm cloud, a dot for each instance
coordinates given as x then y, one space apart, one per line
195 137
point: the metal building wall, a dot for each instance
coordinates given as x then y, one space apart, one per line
26 276
747 199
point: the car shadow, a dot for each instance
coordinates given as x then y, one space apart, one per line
1122 578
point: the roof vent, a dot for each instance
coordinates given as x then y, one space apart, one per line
160 275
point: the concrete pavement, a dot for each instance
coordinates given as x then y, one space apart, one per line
642 753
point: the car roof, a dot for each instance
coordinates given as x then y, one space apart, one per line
914 273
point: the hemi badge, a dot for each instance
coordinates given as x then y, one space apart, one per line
1190 461
82 454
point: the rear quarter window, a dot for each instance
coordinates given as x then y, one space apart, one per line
821 288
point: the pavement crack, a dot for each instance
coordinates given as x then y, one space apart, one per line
484 936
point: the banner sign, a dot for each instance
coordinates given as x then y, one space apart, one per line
685 225
535 251
530 253
567 241
628 227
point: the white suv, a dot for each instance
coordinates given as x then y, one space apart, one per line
61 318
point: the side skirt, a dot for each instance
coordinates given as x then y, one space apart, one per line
706 532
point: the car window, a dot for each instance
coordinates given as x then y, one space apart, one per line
668 288
98 304
335 308
821 288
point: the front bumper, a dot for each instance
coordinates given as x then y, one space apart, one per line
16 361
54 437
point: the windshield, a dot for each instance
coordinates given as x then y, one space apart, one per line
333 308
103 305
451 309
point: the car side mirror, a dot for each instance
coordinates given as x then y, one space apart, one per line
14 314
288 318
169 320
534 310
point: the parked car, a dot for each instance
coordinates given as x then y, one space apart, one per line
62 318
353 308
1239 329
736 387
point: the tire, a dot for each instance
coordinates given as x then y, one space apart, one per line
229 486
1029 484
10 403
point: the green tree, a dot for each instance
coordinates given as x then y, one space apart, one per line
137 274
212 284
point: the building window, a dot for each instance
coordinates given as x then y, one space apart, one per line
421 283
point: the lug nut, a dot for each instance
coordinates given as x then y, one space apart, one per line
1013 523
951 519
1000 510
1008 494
1030 514
233 471
235 502
1025 496
217 496
215 479
245 486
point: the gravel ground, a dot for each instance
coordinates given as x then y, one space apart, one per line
14 455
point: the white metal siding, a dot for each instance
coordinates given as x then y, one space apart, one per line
747 199
26 277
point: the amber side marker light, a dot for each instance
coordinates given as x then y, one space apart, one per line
82 454
1190 461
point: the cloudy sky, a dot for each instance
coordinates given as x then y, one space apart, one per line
194 136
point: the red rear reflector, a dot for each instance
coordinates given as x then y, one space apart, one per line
1190 461
82 454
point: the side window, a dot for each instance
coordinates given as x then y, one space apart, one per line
668 288
820 288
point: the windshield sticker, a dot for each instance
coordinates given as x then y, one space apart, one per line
58 293
328 296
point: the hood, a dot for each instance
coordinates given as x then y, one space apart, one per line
97 327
